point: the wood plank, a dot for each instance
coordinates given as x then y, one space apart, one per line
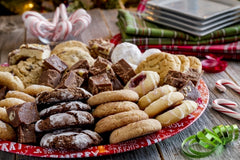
110 17
147 153
6 156
97 29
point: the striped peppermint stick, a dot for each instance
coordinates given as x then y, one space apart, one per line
219 105
220 85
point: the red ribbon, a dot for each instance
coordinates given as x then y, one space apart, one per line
213 64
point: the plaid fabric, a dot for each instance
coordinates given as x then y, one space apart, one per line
136 30
227 51
141 6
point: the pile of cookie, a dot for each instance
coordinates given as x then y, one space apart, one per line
118 114
77 92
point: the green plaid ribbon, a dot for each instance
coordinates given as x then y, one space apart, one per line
136 30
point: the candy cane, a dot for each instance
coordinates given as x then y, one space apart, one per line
220 85
218 104
58 29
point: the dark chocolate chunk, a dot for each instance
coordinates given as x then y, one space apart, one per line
70 80
46 99
81 64
123 70
175 82
99 83
50 78
189 91
26 134
100 66
64 107
3 91
25 113
116 84
54 62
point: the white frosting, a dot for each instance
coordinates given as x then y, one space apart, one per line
127 51
149 52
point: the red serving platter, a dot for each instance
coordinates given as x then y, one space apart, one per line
108 149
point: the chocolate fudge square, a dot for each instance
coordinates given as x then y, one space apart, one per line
123 70
54 62
50 77
189 91
26 133
3 91
99 83
25 113
100 66
81 64
70 80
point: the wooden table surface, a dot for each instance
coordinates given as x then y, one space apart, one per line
103 25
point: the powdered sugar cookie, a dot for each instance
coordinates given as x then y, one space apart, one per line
127 51
149 52
143 82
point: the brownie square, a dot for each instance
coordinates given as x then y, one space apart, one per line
99 83
26 134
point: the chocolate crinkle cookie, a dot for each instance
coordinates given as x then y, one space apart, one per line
70 139
64 120
46 99
64 107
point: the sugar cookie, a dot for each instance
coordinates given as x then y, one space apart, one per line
12 82
163 103
135 129
114 121
35 89
110 108
9 102
113 96
20 95
7 133
176 114
154 95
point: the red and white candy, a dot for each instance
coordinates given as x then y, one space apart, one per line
220 85
219 105
61 25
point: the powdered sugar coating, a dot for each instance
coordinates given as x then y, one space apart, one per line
70 140
63 120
